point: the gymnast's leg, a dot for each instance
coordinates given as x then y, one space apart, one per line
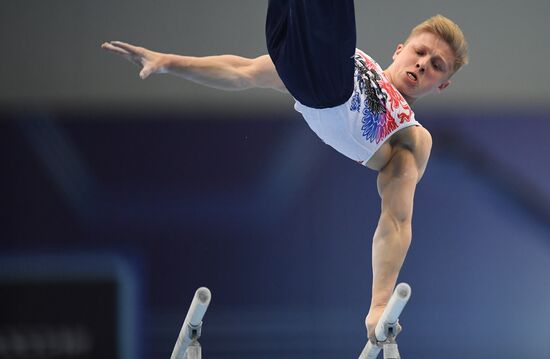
312 44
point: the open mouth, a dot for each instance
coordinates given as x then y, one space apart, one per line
412 76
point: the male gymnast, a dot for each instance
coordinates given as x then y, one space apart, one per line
347 99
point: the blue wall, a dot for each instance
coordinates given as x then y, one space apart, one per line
279 227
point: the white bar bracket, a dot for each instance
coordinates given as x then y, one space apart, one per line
187 345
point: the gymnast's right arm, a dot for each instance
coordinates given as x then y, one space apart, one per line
225 72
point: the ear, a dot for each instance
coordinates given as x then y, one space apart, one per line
398 51
444 85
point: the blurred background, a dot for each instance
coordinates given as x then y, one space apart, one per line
120 197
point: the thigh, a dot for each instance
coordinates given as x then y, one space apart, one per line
312 43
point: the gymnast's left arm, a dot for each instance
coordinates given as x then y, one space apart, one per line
396 185
224 72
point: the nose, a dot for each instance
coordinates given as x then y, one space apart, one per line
421 67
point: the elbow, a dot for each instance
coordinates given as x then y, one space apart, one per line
397 221
240 82
246 82
404 233
395 227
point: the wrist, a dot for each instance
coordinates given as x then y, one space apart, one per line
170 63
165 63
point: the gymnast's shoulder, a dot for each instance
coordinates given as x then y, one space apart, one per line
417 140
413 138
411 142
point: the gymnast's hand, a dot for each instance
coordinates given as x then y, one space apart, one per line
372 319
149 61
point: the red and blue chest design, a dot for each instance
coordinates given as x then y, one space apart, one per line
382 107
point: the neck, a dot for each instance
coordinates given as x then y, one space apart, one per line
389 76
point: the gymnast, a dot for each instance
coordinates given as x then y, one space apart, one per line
347 99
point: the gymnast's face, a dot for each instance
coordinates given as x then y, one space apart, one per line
421 66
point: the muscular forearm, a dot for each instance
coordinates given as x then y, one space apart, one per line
226 72
390 245
222 72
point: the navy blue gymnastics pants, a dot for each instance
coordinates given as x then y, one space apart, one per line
312 44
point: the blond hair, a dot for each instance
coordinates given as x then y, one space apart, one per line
449 32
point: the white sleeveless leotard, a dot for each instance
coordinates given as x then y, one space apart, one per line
373 113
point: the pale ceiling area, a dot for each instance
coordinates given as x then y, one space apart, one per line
51 50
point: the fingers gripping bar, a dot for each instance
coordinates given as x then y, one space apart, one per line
387 325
